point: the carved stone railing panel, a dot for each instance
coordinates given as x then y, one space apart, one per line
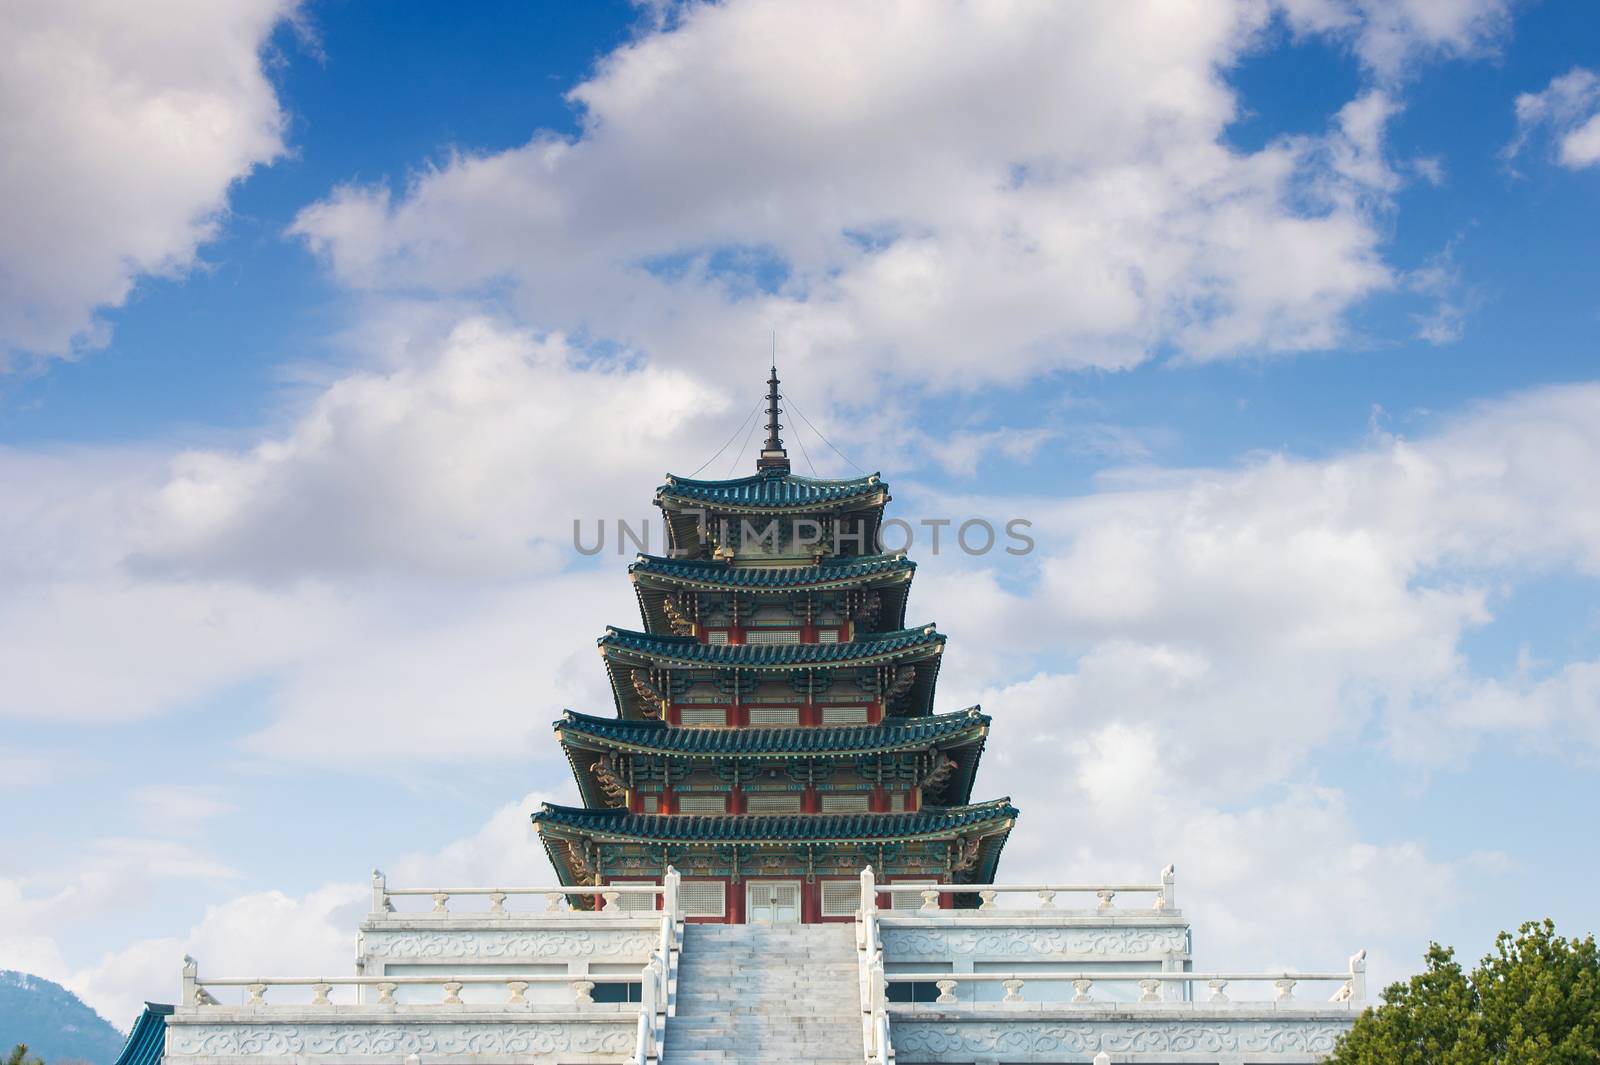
414 945
386 1038
925 1034
1033 943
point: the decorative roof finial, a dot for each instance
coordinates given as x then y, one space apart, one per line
773 455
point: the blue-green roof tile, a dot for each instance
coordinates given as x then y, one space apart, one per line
771 489
896 734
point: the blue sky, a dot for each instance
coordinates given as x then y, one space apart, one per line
320 323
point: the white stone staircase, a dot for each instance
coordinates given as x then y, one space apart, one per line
760 993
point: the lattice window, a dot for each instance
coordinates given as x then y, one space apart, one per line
844 715
702 804
717 638
650 804
772 636
698 716
897 802
635 902
907 894
840 898
773 802
846 802
703 898
774 715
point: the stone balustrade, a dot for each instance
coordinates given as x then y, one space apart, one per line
1352 983
989 895
198 992
1051 983
429 1007
557 899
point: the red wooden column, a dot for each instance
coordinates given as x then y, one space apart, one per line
733 902
810 800
810 902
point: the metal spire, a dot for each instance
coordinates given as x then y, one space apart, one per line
773 455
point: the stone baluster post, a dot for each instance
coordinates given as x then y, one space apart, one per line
1358 976
669 893
191 975
869 893
1169 889
381 906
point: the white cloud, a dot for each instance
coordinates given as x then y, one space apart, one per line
1568 110
177 808
125 126
266 932
1287 880
262 932
995 193
316 558
1253 616
472 460
1392 37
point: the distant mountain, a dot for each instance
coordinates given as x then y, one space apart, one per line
54 1022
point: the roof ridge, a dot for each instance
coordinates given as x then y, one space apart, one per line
925 721
875 477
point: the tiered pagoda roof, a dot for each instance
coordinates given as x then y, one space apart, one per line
774 722
655 577
687 651
959 736
626 650
897 734
994 818
774 490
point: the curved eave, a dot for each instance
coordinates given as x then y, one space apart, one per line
655 578
624 651
702 575
801 741
685 652
960 736
768 493
616 826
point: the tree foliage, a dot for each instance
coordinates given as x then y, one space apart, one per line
1534 1001
19 1056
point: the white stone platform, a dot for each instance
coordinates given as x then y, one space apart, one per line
489 976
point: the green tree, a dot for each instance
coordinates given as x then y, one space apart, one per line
20 1056
1534 1001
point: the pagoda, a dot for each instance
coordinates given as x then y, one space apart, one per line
775 728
